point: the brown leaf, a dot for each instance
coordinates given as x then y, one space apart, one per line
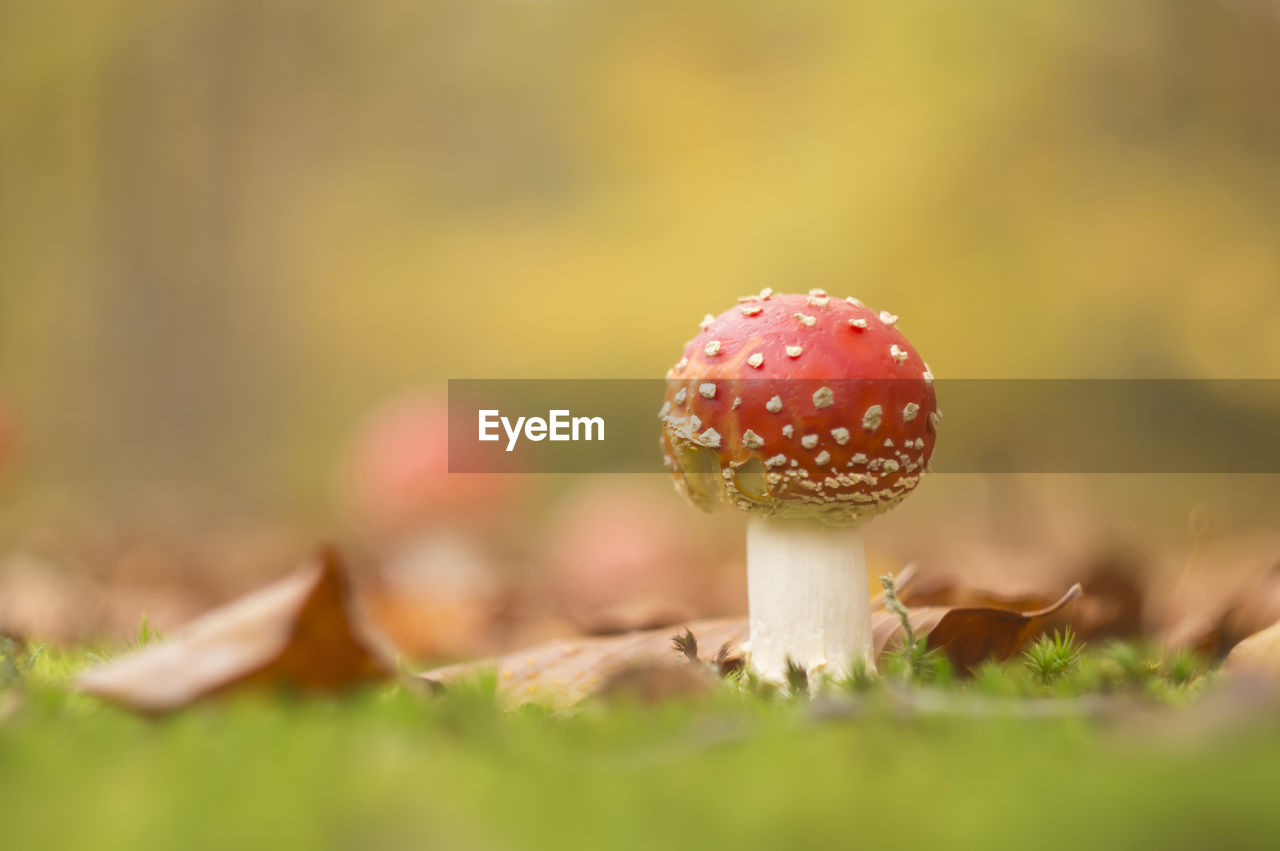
563 672
973 634
1215 632
658 682
1257 655
945 591
1255 609
300 632
1111 605
433 626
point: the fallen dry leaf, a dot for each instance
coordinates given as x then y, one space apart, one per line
1113 604
1213 633
969 635
943 590
300 632
658 682
1110 607
438 596
425 627
1254 610
565 671
1258 655
1203 633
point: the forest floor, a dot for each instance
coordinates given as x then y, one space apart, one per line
1108 749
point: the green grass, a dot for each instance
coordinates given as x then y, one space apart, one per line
1052 657
145 634
397 768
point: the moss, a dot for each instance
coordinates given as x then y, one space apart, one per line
399 766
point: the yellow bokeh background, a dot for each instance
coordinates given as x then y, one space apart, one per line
228 229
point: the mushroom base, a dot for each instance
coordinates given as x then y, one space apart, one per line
809 598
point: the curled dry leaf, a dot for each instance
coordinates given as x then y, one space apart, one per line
439 596
563 672
658 682
1253 610
1112 605
969 635
1258 655
1213 633
946 591
301 632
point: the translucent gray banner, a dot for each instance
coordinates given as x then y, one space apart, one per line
989 425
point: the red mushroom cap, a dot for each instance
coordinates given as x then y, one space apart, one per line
799 406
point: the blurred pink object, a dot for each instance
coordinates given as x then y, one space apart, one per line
624 554
397 478
439 538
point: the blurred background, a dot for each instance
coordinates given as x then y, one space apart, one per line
244 244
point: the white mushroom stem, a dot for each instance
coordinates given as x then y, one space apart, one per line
808 597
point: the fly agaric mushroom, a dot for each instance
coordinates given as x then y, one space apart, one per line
813 414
